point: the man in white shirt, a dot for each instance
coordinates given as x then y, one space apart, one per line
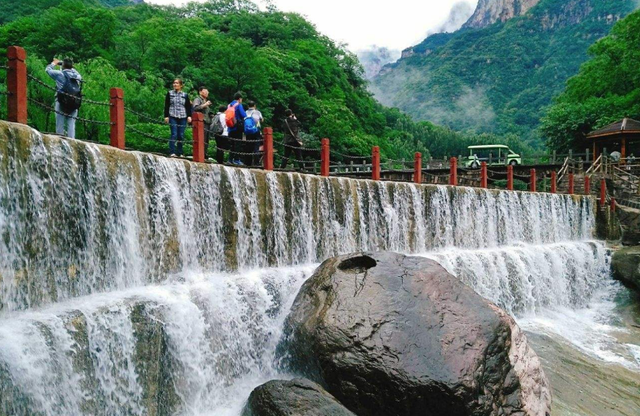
253 134
221 133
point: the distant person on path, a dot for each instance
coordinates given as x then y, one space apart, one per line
68 96
615 156
292 144
234 117
202 105
253 133
221 133
631 160
177 112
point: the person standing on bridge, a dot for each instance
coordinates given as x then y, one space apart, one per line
68 98
253 133
202 105
235 116
221 133
177 112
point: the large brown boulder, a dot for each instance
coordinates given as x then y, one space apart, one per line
389 334
295 397
625 264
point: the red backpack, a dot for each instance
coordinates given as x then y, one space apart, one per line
230 115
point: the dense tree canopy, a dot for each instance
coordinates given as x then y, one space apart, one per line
277 59
606 90
500 78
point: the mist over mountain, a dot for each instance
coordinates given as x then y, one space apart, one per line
502 68
375 58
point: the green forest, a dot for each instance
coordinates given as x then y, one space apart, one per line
500 79
277 59
606 89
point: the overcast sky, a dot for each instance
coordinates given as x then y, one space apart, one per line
363 23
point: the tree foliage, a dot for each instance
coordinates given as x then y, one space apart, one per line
277 59
606 89
499 79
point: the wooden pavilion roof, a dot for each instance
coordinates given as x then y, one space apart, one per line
622 127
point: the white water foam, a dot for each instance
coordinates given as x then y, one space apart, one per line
562 289
76 219
221 332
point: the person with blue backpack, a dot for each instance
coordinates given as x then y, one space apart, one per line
68 95
234 117
253 134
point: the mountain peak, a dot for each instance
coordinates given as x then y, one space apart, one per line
490 11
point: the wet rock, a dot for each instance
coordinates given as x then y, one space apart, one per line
389 334
154 365
295 397
626 267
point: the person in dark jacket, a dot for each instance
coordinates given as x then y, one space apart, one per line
177 112
64 117
292 143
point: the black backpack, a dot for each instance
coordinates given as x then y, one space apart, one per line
70 95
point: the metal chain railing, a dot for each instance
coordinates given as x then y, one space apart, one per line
335 152
145 134
6 68
84 99
84 120
152 120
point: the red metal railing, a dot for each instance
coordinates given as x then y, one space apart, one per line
17 103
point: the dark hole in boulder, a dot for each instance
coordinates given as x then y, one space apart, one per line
357 264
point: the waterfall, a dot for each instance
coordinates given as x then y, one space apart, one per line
527 279
200 344
142 285
191 347
79 218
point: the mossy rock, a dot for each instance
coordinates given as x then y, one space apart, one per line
626 267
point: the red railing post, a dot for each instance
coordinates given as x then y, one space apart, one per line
571 183
453 171
267 157
324 157
554 182
375 162
417 168
532 182
116 98
197 123
603 193
613 204
587 185
510 177
484 177
17 85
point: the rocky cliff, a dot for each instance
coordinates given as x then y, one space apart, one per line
490 11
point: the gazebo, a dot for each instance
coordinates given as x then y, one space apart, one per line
618 136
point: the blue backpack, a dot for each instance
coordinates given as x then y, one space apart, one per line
250 126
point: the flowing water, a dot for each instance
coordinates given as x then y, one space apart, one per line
134 284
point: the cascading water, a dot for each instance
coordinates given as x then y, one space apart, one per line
143 285
79 218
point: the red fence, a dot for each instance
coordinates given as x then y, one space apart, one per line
17 103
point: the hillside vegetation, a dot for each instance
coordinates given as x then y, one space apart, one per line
499 78
606 89
278 59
